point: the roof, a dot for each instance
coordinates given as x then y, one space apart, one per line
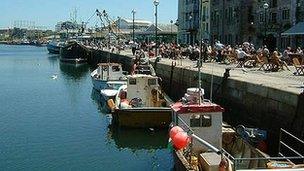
138 21
163 28
205 107
141 76
297 29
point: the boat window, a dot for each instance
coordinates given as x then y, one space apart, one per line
104 68
115 68
151 81
132 81
200 121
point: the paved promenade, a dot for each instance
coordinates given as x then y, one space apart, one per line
282 80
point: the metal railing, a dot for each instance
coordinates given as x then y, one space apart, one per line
237 162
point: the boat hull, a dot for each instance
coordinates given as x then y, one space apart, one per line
74 53
142 117
99 84
53 49
73 61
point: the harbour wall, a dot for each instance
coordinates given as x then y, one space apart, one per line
247 103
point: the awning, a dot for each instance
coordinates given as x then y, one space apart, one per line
297 29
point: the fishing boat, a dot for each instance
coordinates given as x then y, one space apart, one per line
75 53
54 47
111 89
105 73
141 104
202 142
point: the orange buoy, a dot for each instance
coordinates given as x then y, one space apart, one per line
180 140
174 131
111 104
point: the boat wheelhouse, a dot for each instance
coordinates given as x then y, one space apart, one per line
106 72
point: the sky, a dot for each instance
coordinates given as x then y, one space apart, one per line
48 12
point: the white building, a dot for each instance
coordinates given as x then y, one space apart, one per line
127 24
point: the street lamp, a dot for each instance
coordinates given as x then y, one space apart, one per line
156 3
190 29
171 21
265 6
133 35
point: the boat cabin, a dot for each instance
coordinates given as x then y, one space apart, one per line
145 88
110 71
204 119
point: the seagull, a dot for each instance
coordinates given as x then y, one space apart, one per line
54 77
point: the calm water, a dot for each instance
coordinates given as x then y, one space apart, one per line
48 124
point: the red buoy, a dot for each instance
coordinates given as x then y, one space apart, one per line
180 140
174 131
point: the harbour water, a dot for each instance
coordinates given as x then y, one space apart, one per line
49 123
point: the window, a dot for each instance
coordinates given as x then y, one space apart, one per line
285 14
274 17
115 68
105 68
151 81
200 121
132 81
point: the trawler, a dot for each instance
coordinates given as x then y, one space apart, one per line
106 72
141 104
202 142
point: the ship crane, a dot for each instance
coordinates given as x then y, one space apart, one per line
112 27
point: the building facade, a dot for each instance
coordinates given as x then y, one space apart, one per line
237 21
188 21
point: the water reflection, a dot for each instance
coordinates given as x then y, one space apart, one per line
138 139
53 59
73 71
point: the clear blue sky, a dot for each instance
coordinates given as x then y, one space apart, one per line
49 12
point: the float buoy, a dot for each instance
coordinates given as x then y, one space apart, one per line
180 140
111 104
174 131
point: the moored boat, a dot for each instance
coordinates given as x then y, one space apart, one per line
54 47
141 104
106 72
74 53
202 142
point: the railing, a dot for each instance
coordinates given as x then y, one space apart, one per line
237 162
297 158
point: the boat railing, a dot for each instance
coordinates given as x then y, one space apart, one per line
238 163
287 153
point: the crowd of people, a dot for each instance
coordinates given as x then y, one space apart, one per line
244 55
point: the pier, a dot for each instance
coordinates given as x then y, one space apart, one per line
266 100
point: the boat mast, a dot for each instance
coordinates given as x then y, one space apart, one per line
200 62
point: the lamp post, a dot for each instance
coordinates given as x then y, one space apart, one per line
190 29
177 24
171 21
133 35
156 3
265 6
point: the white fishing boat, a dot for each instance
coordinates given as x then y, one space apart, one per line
106 72
203 142
141 104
